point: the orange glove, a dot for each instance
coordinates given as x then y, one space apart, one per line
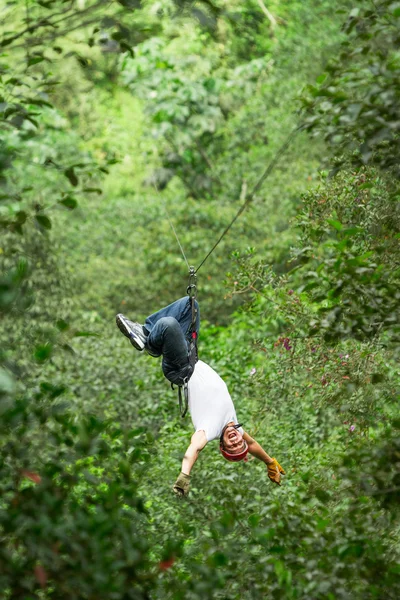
275 471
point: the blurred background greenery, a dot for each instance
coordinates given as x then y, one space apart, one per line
111 113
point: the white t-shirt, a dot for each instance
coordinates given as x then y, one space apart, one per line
210 403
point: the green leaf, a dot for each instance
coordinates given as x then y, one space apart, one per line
93 190
32 120
54 391
6 41
322 495
209 84
21 217
43 352
62 325
254 520
336 224
322 524
351 550
352 231
71 176
68 348
218 559
69 202
10 110
83 61
43 221
34 60
130 3
377 378
37 102
321 78
126 48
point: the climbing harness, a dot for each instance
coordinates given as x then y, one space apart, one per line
192 292
183 389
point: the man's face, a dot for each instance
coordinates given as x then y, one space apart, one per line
233 440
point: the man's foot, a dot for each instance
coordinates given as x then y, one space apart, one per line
133 331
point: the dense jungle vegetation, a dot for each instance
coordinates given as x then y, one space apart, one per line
111 113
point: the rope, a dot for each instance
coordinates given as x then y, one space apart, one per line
245 204
255 189
172 227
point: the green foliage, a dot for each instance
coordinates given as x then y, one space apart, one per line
355 103
189 107
93 105
349 249
69 521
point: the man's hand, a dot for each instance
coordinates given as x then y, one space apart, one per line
274 471
181 485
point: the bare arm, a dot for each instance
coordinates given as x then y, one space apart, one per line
256 450
197 444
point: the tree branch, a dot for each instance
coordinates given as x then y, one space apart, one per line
50 38
274 22
46 23
266 12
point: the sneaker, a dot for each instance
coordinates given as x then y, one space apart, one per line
133 331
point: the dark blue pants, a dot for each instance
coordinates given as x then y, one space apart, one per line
169 336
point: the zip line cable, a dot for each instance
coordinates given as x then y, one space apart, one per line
245 204
255 189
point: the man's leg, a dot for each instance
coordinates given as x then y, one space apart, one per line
165 332
169 330
167 338
181 310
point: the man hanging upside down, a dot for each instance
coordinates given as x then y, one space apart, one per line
167 333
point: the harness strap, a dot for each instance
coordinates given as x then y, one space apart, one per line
183 406
192 352
183 401
193 358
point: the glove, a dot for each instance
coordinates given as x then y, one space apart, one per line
274 471
181 485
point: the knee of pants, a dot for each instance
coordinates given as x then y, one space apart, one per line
169 323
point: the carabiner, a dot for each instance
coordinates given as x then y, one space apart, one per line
191 289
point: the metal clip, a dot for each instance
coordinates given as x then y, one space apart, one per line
191 289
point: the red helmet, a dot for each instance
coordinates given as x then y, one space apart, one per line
235 457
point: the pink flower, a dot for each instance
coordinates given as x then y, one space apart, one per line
253 371
352 428
286 344
290 292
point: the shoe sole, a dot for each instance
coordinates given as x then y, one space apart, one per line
127 331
